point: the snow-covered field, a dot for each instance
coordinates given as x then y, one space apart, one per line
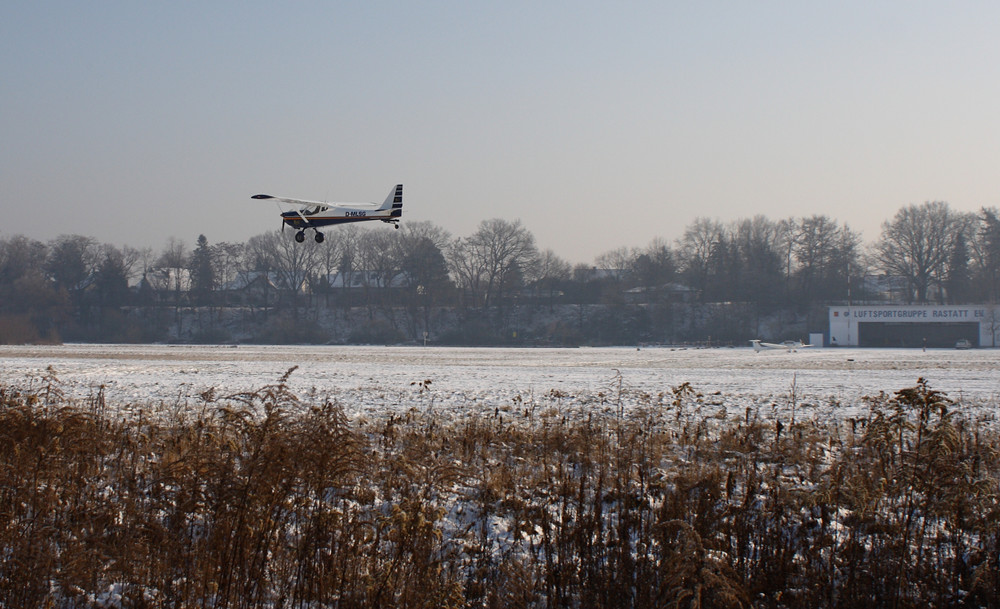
478 514
372 380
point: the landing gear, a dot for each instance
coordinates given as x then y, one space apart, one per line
301 236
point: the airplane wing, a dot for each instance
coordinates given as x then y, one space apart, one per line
302 202
320 206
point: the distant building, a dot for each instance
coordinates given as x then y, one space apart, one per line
362 279
914 325
251 287
596 274
884 288
668 292
167 279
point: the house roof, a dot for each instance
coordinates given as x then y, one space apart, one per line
357 279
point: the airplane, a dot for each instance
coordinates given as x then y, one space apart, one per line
313 214
788 345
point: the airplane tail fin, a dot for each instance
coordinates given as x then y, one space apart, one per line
756 346
394 202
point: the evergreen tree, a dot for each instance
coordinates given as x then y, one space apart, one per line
71 260
957 284
202 272
111 277
425 266
988 254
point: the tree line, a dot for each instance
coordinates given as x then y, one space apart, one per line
74 287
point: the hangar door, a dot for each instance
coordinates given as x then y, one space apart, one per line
884 334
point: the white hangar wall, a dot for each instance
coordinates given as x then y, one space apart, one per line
914 325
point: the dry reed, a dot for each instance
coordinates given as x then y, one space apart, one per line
263 500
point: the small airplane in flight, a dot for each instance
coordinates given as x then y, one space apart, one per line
313 214
788 345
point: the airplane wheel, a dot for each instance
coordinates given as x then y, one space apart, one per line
300 237
319 237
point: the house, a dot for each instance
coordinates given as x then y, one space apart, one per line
164 285
668 292
253 287
885 288
167 280
356 280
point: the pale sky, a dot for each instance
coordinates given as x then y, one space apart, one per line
597 124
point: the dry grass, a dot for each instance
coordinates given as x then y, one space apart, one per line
262 500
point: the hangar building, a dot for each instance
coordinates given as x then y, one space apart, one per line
914 325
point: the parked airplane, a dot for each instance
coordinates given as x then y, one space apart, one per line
313 214
788 345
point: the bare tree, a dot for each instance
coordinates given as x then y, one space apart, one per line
695 250
824 252
330 256
20 257
291 262
468 270
916 245
173 258
550 271
758 244
227 259
277 260
416 231
379 257
174 254
26 294
654 266
348 264
502 251
618 261
259 255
